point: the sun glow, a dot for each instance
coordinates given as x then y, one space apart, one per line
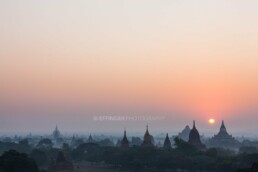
211 121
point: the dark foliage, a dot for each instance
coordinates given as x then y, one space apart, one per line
182 157
13 161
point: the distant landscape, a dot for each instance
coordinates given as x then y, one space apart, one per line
185 151
128 86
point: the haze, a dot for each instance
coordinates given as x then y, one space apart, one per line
63 62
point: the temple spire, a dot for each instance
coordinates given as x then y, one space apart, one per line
223 127
90 139
125 142
147 139
194 138
167 143
223 123
147 129
223 139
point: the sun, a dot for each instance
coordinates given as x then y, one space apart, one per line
211 121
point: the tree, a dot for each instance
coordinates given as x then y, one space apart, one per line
24 142
40 157
248 149
13 161
183 146
106 142
212 152
45 143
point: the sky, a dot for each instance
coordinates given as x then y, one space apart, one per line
73 63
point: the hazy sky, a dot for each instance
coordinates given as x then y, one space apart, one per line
64 62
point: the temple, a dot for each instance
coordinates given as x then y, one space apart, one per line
223 139
61 164
194 138
57 137
56 133
167 143
185 133
147 140
90 139
125 142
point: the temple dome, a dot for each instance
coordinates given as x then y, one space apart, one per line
56 133
90 139
194 135
147 136
167 143
147 139
194 138
185 133
61 164
223 139
125 142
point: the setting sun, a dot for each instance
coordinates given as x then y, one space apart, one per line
211 121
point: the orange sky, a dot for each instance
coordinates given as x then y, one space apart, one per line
194 58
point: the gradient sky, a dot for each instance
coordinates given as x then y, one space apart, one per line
63 62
